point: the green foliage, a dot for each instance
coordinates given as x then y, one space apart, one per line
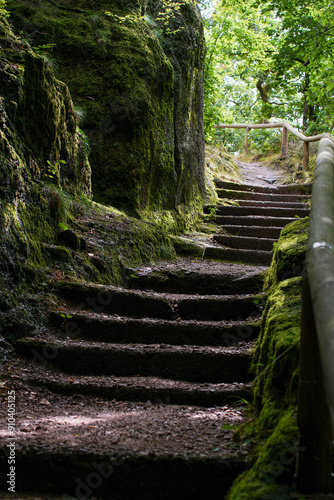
3 11
62 226
269 60
211 216
52 169
263 141
165 16
82 138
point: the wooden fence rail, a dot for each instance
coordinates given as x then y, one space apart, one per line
316 373
286 128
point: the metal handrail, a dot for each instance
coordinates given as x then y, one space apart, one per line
286 127
316 372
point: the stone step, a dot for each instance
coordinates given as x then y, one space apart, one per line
144 389
279 189
262 211
115 300
245 242
218 308
279 204
193 277
176 477
190 363
112 450
254 231
249 195
253 220
186 307
121 330
256 257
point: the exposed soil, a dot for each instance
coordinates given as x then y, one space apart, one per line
258 174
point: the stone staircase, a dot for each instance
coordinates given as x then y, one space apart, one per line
252 226
131 393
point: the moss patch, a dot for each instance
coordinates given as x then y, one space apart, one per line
276 356
272 430
38 129
274 466
289 254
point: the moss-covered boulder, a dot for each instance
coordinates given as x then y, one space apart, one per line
273 430
289 255
180 30
137 77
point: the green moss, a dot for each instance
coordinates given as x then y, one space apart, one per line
177 221
186 247
119 75
289 253
58 253
143 122
219 164
274 466
277 349
273 429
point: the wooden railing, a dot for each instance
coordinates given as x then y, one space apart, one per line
286 127
316 373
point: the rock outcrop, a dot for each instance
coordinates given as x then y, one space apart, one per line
135 70
39 141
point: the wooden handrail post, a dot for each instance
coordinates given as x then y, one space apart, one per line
314 465
246 140
306 154
284 142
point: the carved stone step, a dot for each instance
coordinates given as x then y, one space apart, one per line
270 232
187 449
153 389
101 328
245 242
262 211
249 195
276 189
191 363
256 257
253 220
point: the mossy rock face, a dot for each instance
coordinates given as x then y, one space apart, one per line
48 126
274 430
183 41
289 253
277 351
39 148
274 466
275 362
39 137
139 82
186 247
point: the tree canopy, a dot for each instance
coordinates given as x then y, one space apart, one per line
270 59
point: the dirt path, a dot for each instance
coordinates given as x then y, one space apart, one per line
259 174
